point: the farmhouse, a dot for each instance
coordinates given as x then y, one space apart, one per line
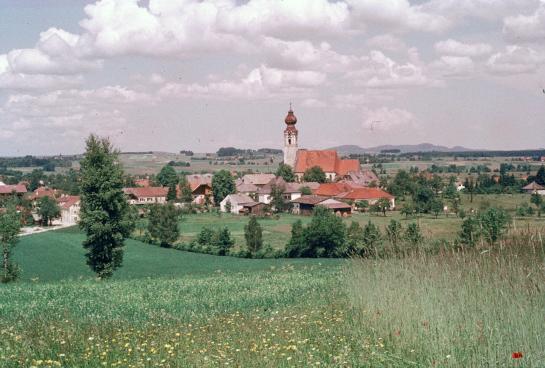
534 187
70 208
239 203
370 195
301 159
259 180
9 190
149 195
305 205
201 187
44 192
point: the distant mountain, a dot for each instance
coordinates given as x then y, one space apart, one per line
403 148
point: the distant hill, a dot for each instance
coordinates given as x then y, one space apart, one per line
403 148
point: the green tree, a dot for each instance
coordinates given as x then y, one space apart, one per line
48 209
306 190
10 225
167 177
494 223
163 224
223 184
362 205
205 236
228 206
469 232
413 235
372 239
394 233
105 216
286 172
36 179
186 195
278 202
540 176
537 200
253 233
354 239
469 185
383 205
436 206
297 243
315 174
325 235
223 241
408 209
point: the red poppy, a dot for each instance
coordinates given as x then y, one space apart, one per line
516 355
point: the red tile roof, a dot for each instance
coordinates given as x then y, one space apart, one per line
44 192
328 160
67 201
147 192
196 180
346 166
333 189
9 189
359 194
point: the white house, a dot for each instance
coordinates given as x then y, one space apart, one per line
70 208
149 195
237 202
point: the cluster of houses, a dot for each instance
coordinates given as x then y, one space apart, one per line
254 194
69 205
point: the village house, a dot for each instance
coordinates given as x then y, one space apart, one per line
70 209
364 178
370 195
533 188
201 187
259 180
44 192
239 203
149 195
301 159
9 190
305 205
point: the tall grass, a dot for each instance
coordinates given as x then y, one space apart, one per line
470 308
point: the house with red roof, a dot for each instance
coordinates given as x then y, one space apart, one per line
149 195
70 208
9 190
301 160
370 195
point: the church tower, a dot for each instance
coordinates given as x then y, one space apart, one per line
290 139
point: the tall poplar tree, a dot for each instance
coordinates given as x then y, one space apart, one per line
10 225
105 216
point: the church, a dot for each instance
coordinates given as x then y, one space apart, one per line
301 160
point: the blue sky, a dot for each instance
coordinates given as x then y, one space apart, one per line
171 75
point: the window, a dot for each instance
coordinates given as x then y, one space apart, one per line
289 141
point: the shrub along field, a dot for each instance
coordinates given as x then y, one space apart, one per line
276 231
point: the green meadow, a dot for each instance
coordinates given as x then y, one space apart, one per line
169 308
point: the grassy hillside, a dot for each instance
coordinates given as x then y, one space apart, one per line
58 255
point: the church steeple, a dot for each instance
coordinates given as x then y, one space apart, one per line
290 138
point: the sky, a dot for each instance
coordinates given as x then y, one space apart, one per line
170 75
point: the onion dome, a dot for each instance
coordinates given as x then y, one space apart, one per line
290 118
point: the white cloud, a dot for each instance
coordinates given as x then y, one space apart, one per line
313 102
72 113
380 71
515 60
395 14
459 11
454 66
387 42
453 47
262 82
526 27
386 119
